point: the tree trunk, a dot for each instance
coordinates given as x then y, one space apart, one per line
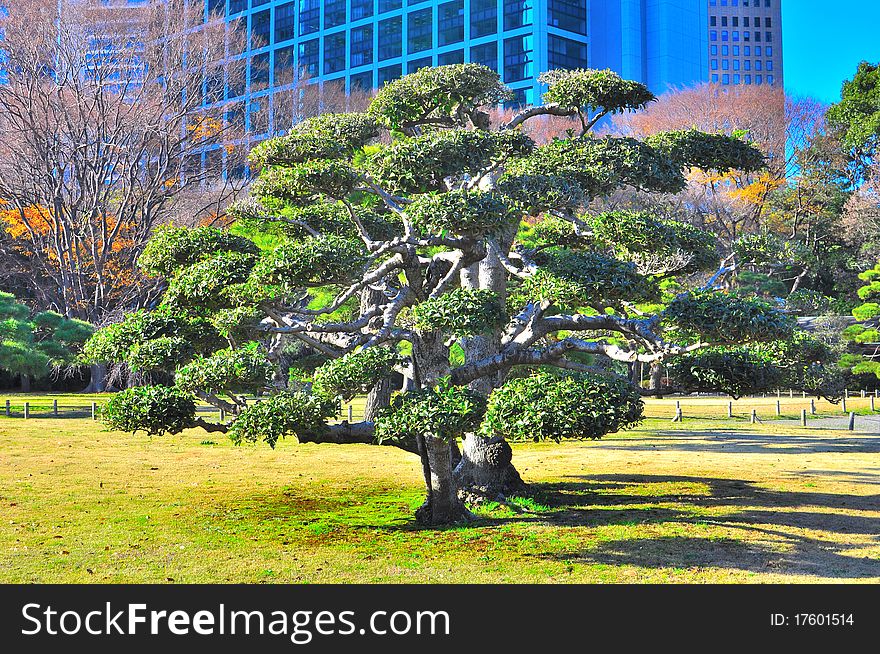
378 398
98 381
25 384
657 378
442 506
486 472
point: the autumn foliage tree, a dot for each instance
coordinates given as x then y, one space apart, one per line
494 290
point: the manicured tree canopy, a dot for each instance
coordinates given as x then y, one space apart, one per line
459 254
865 335
31 345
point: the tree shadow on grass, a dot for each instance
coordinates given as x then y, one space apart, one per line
721 442
778 527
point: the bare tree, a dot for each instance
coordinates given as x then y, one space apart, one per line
112 121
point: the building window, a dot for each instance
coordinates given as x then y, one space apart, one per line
486 54
447 58
758 79
450 22
361 46
284 22
736 79
725 79
517 13
283 68
361 9
715 78
236 6
714 64
334 13
259 65
361 81
390 38
260 29
769 79
419 31
308 57
565 53
389 5
334 53
309 16
417 64
389 74
568 15
484 18
714 49
748 79
518 58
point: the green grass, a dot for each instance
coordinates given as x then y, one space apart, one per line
706 501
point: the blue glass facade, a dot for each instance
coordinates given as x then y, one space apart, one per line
366 43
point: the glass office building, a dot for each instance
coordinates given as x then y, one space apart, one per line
365 43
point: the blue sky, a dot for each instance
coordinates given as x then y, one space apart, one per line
823 42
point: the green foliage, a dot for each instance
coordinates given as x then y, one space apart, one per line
799 362
459 211
602 165
533 194
441 93
156 410
443 412
721 318
733 371
632 235
171 248
768 249
420 164
283 414
153 340
207 283
354 373
32 346
857 115
866 311
463 312
314 261
594 90
572 279
544 406
244 369
328 136
694 149
304 183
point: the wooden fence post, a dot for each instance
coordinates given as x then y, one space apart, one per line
812 407
843 403
778 408
94 411
791 393
754 416
872 403
804 417
55 408
222 415
27 410
8 409
852 421
730 409
350 413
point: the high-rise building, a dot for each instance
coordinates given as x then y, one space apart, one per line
365 43
745 42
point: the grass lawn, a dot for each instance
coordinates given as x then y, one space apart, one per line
703 501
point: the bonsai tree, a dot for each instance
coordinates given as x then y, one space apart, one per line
420 238
31 346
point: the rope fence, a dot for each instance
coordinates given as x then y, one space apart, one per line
852 411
